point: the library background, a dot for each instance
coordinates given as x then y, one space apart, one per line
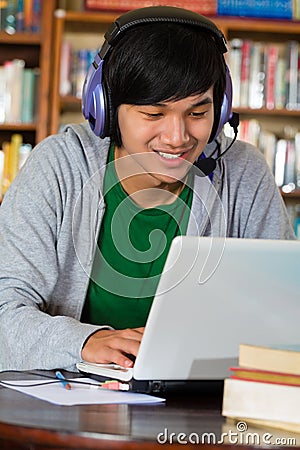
46 47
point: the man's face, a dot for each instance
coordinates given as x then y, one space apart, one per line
164 139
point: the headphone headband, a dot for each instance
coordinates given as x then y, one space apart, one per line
159 14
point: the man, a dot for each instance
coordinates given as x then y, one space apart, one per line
86 226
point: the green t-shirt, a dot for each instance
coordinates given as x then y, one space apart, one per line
133 244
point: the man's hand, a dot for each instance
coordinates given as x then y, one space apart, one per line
113 346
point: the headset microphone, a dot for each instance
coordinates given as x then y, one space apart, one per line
208 165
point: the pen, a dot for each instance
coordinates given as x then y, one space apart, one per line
62 379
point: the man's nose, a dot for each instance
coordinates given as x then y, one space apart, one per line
175 131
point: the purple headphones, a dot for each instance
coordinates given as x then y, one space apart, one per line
95 96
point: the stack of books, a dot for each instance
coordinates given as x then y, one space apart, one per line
264 390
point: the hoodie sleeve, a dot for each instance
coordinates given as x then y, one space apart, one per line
32 334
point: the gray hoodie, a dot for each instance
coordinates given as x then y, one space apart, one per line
49 223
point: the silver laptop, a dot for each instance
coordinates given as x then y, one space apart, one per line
214 294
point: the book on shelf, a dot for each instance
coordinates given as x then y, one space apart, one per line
3 4
245 73
281 154
272 61
65 87
27 96
31 15
297 158
267 144
10 16
13 156
281 9
18 92
200 6
292 75
20 15
13 71
264 74
265 387
257 76
234 61
74 64
1 171
297 220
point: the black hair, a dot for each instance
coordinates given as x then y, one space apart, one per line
161 62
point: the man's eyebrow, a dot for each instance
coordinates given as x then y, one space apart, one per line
204 101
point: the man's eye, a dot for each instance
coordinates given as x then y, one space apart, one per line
198 113
153 115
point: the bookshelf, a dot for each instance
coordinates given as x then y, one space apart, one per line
35 50
74 25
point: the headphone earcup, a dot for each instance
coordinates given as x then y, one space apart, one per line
226 108
95 99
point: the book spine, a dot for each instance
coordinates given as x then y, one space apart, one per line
3 6
5 173
234 63
272 60
289 182
28 15
245 73
292 75
65 68
256 85
82 65
1 171
36 16
2 93
280 158
297 221
281 9
36 95
297 156
20 16
27 96
8 80
14 149
10 19
24 152
280 83
267 144
16 91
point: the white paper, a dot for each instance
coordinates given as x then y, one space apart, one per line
78 395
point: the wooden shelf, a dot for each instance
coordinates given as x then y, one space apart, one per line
20 38
269 112
257 25
18 127
86 16
291 195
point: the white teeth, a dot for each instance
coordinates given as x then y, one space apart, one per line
169 155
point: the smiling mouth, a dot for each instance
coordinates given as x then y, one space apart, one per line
170 155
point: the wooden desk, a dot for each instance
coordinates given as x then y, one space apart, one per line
32 424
